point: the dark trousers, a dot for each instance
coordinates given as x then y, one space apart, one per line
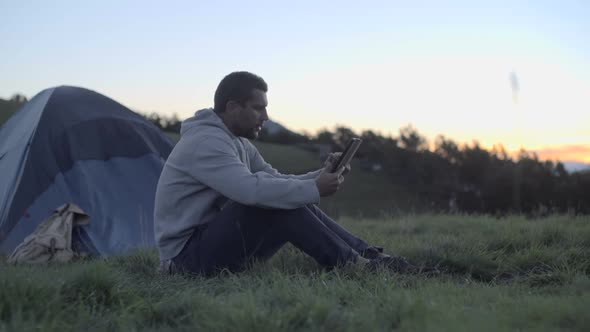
241 234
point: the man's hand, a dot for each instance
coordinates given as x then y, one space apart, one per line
328 183
332 158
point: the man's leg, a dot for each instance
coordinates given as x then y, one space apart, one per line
397 263
354 242
242 233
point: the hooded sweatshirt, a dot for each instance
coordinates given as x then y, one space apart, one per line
210 166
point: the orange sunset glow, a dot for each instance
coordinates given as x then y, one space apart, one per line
566 153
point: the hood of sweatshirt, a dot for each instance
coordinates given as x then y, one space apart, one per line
202 119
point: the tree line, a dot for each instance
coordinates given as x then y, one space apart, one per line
450 177
11 105
445 176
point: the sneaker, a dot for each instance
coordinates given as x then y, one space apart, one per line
373 252
429 270
167 267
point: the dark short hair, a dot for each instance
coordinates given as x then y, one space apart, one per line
237 87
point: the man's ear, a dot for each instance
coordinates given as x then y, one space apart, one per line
232 106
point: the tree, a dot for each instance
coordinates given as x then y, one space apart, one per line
411 140
342 135
325 137
447 149
18 99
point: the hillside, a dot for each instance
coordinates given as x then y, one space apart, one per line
7 108
362 194
576 166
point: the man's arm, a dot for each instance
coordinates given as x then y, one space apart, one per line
215 164
267 168
258 164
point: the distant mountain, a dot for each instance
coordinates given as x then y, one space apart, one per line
277 133
575 166
274 128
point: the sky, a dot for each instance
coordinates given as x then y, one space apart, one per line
515 73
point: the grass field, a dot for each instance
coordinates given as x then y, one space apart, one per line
498 274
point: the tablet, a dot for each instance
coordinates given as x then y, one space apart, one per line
346 156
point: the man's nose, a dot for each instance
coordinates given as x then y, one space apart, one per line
265 116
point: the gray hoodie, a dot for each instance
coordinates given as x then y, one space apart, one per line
208 167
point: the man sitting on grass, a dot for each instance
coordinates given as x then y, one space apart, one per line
219 205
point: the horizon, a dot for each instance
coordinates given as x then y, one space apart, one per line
545 154
516 75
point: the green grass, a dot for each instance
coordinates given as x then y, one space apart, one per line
498 274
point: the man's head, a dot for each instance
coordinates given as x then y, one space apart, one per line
240 101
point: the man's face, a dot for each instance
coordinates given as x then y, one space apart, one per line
249 118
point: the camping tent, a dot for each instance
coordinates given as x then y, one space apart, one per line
72 145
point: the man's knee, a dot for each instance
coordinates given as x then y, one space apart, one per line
315 210
297 212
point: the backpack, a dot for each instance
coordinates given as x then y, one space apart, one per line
52 239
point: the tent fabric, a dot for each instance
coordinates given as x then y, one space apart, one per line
73 145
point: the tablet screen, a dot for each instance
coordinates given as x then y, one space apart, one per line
347 154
